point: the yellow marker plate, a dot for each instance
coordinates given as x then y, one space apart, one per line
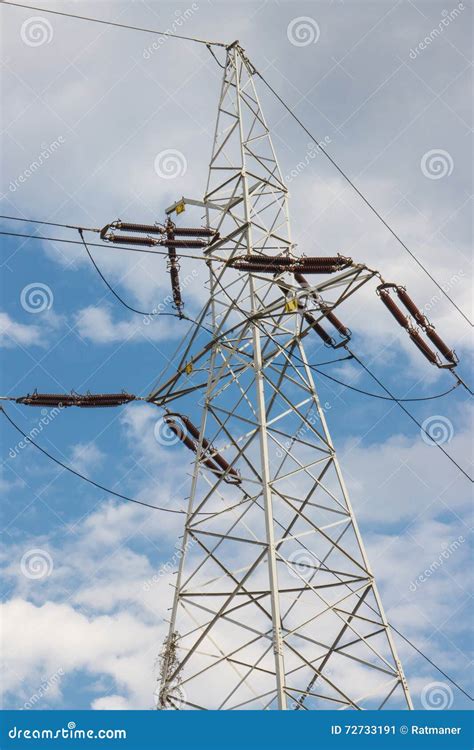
291 305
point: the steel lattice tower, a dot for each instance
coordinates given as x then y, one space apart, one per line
275 603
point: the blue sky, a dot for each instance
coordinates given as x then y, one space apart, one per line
112 104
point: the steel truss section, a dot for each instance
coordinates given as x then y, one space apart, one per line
275 603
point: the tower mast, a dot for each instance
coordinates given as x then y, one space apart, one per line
275 603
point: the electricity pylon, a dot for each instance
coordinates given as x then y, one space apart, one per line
275 603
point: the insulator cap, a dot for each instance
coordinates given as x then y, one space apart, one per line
343 330
211 457
440 345
338 324
335 260
296 263
394 309
130 240
311 320
47 399
88 400
194 231
145 228
301 279
282 268
319 268
184 243
411 307
423 346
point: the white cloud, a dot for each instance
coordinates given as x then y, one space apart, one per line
105 169
41 640
86 456
13 333
398 479
111 703
98 325
113 564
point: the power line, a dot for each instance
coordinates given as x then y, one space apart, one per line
181 316
392 397
314 367
48 223
377 395
82 476
289 110
395 400
182 512
361 195
441 671
122 301
409 414
107 489
102 245
316 364
118 25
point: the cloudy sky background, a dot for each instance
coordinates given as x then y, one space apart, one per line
113 103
